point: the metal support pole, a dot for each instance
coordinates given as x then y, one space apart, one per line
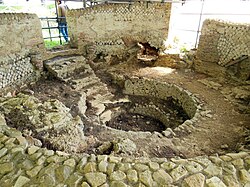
49 29
198 29
84 4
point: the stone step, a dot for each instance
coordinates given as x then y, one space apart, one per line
64 67
85 83
97 89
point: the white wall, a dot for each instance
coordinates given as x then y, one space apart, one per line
183 26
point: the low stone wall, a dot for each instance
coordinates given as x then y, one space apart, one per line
161 90
23 164
155 89
225 45
111 28
21 48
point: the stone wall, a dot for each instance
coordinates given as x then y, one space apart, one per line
226 45
147 87
23 164
111 28
21 48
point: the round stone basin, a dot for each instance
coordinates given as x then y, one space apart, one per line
153 103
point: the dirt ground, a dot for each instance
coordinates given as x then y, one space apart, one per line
220 133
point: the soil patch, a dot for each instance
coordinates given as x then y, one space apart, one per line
132 122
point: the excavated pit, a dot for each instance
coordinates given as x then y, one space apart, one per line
78 109
142 112
132 119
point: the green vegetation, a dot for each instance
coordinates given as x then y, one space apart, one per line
50 44
50 6
3 8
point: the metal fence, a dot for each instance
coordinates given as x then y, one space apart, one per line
51 29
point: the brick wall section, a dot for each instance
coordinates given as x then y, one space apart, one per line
221 42
111 28
21 43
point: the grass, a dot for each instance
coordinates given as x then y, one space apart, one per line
3 7
50 44
50 6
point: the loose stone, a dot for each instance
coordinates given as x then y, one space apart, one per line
114 159
32 149
141 167
196 180
238 163
117 176
61 153
22 141
178 172
92 158
102 158
216 160
48 152
26 164
35 156
203 161
74 180
132 176
193 167
21 181
55 159
162 178
3 151
229 168
85 184
213 170
110 168
6 168
231 180
244 176
62 173
118 184
33 172
237 155
105 185
226 158
215 182
41 160
95 179
168 166
70 162
46 180
102 166
146 178
82 163
89 167
154 166
124 166
10 141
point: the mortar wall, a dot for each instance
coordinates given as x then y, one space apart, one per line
21 43
222 42
225 45
111 28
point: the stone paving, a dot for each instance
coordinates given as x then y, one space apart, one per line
23 164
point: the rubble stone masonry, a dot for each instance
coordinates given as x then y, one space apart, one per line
225 44
111 28
21 42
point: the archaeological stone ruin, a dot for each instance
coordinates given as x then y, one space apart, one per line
111 109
